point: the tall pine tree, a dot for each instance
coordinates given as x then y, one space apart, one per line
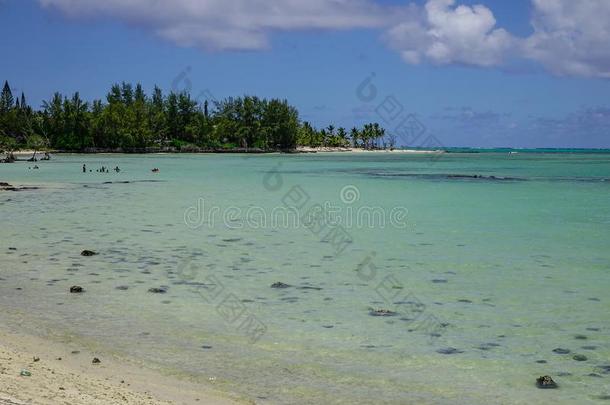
6 98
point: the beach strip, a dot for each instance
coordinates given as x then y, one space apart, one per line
39 371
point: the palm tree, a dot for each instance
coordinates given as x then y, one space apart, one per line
355 135
342 135
378 133
324 137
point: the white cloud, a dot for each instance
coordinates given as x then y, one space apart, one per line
229 24
571 37
444 33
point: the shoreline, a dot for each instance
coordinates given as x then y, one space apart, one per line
23 155
307 149
64 372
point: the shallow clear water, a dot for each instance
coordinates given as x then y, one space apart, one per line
504 267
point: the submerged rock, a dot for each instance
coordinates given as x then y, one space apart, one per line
88 253
488 346
279 284
545 382
580 337
9 187
604 397
77 289
449 350
604 369
18 188
381 312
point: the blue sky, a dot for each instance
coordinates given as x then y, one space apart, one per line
472 75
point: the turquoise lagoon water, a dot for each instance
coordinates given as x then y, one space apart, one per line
504 268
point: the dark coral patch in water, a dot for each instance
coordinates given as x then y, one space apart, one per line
449 350
580 337
381 312
545 382
279 284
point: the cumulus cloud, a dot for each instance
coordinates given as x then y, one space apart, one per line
229 24
443 33
571 37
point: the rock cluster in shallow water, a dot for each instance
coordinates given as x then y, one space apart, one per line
545 382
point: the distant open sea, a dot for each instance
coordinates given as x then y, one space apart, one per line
397 278
583 151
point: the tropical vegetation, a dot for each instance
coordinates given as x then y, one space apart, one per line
131 120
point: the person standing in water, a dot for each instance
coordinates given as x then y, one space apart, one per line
84 168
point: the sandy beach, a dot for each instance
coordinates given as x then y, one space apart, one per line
308 149
26 154
66 374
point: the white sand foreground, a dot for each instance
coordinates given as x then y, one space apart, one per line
64 375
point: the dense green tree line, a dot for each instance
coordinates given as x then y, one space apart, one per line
129 119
